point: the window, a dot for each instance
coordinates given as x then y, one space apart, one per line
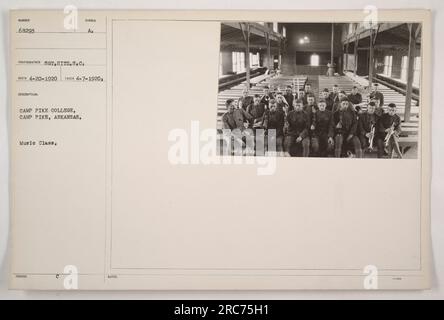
234 59
349 62
242 62
416 70
284 32
220 64
314 60
350 28
404 67
254 60
275 26
388 61
238 62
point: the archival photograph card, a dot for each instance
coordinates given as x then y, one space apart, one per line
220 150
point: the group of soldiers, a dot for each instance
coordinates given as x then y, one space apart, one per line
335 125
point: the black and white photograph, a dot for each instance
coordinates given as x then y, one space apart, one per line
343 90
160 153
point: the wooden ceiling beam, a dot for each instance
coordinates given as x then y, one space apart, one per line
257 29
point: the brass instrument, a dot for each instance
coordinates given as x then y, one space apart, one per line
397 149
388 136
362 104
392 134
371 138
285 101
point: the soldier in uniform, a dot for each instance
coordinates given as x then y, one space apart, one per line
337 105
236 103
233 123
310 109
297 134
311 104
376 94
344 127
307 89
282 103
245 100
355 97
256 111
302 96
235 117
322 136
367 125
328 100
268 95
275 121
289 97
379 111
334 95
389 124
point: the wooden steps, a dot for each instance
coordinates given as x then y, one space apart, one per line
236 92
409 136
390 95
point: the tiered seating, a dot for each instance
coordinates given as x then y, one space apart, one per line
399 86
409 136
258 79
228 81
344 83
236 92
390 96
